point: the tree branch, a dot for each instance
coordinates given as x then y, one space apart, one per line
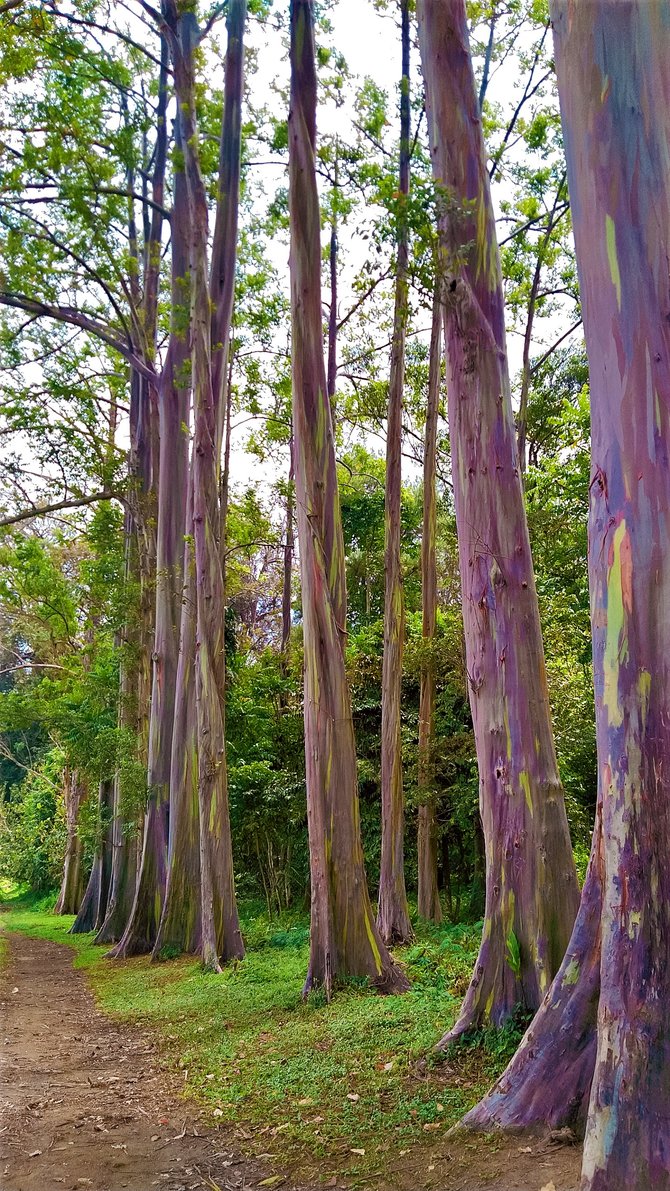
76 502
69 314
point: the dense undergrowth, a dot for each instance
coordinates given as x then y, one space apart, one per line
337 1088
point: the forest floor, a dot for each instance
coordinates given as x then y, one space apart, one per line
132 1075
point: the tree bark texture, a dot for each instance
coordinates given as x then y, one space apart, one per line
126 842
289 544
221 937
72 884
429 898
344 940
613 65
138 878
94 902
531 884
393 912
181 921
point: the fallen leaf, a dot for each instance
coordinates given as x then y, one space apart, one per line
273 1180
432 1127
34 1153
549 1187
353 1096
305 1101
361 1152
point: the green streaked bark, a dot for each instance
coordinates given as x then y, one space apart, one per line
344 940
429 899
393 912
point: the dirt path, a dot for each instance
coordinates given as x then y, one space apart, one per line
83 1103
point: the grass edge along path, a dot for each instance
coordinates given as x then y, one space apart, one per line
328 1090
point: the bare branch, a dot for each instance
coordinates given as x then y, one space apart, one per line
77 502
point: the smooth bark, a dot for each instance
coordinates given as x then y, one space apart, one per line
531 884
344 940
393 912
613 65
93 907
221 937
72 884
429 905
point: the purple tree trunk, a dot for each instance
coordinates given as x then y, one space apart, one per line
613 64
221 937
344 940
531 884
138 874
72 884
393 913
429 898
181 921
94 902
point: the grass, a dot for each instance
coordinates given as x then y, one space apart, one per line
329 1089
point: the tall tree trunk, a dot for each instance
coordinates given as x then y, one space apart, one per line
289 544
332 314
126 841
393 913
531 883
72 884
344 940
429 897
173 757
181 921
613 65
221 937
94 902
138 877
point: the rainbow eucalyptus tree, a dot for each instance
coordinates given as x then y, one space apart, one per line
393 913
600 1045
158 510
429 897
181 922
531 884
72 884
344 939
93 906
211 315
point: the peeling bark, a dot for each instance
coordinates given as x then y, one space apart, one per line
531 884
344 940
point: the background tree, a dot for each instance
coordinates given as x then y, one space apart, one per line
531 885
344 939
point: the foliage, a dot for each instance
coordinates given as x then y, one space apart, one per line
32 827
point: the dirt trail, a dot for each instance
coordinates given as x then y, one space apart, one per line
83 1103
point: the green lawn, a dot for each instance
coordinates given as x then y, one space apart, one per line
309 1083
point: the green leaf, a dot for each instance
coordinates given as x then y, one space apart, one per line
513 953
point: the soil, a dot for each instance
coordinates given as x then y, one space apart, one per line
84 1103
